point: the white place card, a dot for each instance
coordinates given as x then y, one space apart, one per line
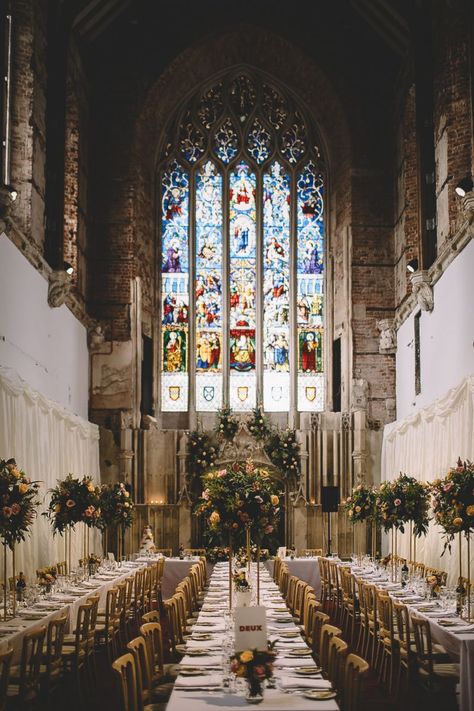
281 553
250 628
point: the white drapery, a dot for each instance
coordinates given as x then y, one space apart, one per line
425 445
48 442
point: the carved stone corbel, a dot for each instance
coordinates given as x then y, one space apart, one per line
59 287
96 336
388 336
467 206
360 394
423 290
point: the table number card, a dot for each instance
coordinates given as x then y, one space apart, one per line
281 553
250 628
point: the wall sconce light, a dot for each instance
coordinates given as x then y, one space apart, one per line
464 186
412 266
13 192
68 268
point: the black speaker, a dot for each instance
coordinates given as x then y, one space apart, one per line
330 498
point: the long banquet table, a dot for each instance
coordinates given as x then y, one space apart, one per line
208 692
174 571
457 640
12 631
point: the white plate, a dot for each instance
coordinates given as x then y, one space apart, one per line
319 694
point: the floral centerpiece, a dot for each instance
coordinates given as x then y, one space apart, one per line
74 501
255 666
240 581
239 496
18 496
46 577
403 500
284 452
218 554
227 425
453 501
434 582
361 504
201 452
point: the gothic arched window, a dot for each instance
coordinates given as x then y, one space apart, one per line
242 253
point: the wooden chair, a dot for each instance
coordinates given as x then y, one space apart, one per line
311 606
195 551
51 666
370 592
319 620
406 645
130 696
327 633
107 626
62 567
24 686
355 669
416 568
350 614
5 665
436 676
161 673
312 552
144 664
338 650
388 646
76 646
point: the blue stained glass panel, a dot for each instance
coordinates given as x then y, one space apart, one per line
174 287
276 288
310 280
208 287
242 284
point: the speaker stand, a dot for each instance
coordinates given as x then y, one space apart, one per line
328 554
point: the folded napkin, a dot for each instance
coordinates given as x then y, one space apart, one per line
293 682
204 628
216 642
439 614
462 629
198 682
207 660
293 661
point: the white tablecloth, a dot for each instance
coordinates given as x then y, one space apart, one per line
306 569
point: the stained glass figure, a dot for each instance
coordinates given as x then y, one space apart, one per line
174 287
259 142
242 97
276 289
226 142
310 278
242 283
208 288
293 140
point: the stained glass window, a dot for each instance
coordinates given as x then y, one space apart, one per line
208 288
310 291
276 289
242 252
174 288
242 288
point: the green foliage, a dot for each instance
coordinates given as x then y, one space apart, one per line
202 452
116 505
18 495
226 425
258 424
403 500
361 504
453 501
284 452
74 501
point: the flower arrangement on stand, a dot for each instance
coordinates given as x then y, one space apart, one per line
226 425
18 495
218 554
201 452
255 666
361 507
258 424
74 501
117 509
284 452
237 495
453 507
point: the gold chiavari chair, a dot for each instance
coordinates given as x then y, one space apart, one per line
161 673
5 665
310 607
143 661
325 584
355 669
388 646
284 579
336 591
327 633
76 646
406 646
299 600
349 611
108 621
416 568
62 567
436 676
276 569
129 610
129 690
24 683
51 663
319 620
175 631
363 617
338 650
152 616
370 592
